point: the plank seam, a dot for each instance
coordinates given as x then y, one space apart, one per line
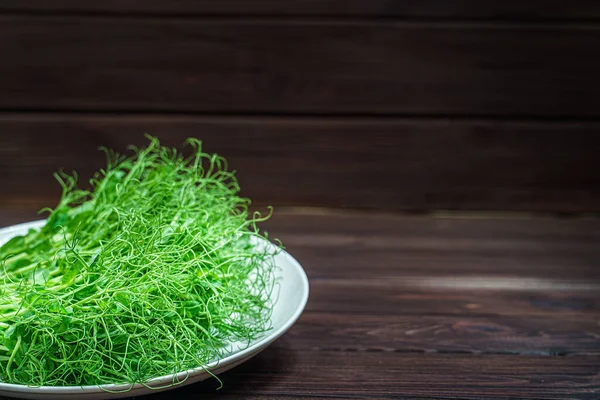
556 353
316 116
329 19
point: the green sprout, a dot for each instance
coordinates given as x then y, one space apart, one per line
152 271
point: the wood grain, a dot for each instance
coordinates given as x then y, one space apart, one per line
282 372
427 325
367 163
447 334
423 300
282 67
538 9
548 250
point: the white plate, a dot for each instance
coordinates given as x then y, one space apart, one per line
292 297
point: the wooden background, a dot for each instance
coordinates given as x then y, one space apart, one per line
380 104
360 120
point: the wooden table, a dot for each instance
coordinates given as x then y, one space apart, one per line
436 307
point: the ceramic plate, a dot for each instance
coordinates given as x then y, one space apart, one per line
292 296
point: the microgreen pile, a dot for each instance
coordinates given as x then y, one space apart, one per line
153 270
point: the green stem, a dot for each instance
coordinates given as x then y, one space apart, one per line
13 355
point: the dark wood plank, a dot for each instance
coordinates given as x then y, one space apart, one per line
528 253
12 216
389 164
460 334
448 284
285 372
480 228
446 295
567 263
446 266
538 9
274 66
